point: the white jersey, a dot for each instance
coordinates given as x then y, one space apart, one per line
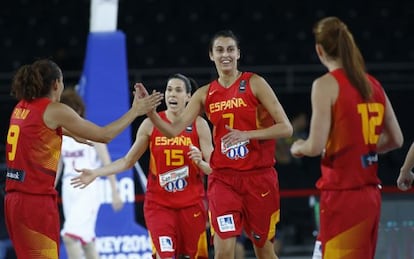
80 206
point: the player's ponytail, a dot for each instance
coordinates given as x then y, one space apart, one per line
338 43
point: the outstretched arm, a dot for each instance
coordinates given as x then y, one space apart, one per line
135 152
58 114
77 139
191 111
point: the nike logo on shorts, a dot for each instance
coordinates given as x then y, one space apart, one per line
264 194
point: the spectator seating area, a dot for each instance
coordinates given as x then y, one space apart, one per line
176 33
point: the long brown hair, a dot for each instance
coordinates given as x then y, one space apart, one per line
338 42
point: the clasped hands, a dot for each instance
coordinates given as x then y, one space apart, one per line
144 102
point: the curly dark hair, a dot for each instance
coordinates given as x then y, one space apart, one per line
35 80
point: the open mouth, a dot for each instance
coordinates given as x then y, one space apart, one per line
173 103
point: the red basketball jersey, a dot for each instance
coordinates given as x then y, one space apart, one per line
350 159
237 107
174 180
33 149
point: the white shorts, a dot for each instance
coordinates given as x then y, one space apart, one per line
80 208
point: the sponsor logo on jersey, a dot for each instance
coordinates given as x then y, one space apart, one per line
17 175
369 159
175 180
236 151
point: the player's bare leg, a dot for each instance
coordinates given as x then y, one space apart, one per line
265 252
73 247
90 251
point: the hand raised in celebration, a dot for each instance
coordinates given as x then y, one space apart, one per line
140 90
144 102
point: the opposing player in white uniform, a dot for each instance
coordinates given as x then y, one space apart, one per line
81 206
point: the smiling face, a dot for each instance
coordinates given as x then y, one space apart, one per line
176 96
225 53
